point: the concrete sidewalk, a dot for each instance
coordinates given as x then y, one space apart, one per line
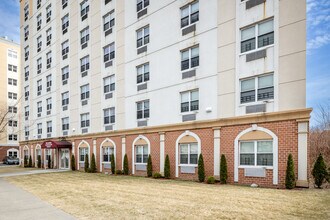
16 203
29 172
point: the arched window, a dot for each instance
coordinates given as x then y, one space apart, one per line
107 148
83 150
140 153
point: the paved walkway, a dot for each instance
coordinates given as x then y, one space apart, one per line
29 172
15 203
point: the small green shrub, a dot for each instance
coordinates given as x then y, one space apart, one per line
30 161
126 170
39 161
119 172
93 168
113 164
223 170
149 167
167 171
157 175
319 171
210 180
201 170
290 179
73 163
26 161
86 168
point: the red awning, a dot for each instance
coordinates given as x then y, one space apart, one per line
56 144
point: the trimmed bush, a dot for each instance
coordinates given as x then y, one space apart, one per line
149 167
39 161
210 180
49 162
126 170
93 168
30 161
290 179
86 168
25 161
113 164
319 171
201 170
223 169
167 170
73 163
119 172
157 175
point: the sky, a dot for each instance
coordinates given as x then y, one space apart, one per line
318 45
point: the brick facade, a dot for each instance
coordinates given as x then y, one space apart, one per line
3 151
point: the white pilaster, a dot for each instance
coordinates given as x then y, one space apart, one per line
94 148
302 153
216 162
123 151
72 148
162 152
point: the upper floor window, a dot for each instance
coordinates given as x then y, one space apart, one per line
65 98
12 137
65 49
49 104
26 12
26 33
12 123
26 73
38 3
64 3
39 87
143 109
65 74
26 131
257 89
84 120
256 153
84 64
84 9
109 52
257 36
49 36
49 59
39 107
26 92
84 37
39 128
39 43
189 153
12 109
189 101
49 127
12 82
141 4
109 116
65 124
12 54
109 84
189 58
12 68
142 36
49 82
26 53
65 23
142 73
48 13
108 21
39 20
39 65
84 92
189 14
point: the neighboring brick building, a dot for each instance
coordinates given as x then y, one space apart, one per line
175 78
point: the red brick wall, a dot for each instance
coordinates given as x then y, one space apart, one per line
3 151
117 141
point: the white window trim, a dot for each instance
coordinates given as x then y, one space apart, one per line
101 153
89 156
133 151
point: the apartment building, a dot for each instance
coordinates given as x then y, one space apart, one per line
171 77
9 97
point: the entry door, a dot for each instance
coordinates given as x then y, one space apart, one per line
65 156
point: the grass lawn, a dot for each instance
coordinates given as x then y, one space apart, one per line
13 169
99 196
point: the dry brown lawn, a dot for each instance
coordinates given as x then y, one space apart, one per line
13 169
99 196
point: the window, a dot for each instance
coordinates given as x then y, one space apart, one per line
142 73
26 53
26 154
256 153
84 64
143 109
26 33
39 65
189 101
190 58
26 12
65 73
257 36
84 36
142 154
12 54
39 107
39 87
38 3
49 13
108 21
189 14
84 92
49 36
12 137
49 82
65 23
26 73
142 36
109 52
13 153
48 154
65 98
26 92
64 3
84 120
12 82
12 95
107 152
39 43
12 68
26 131
12 109
109 116
39 22
83 151
189 153
65 48
49 104
84 9
49 127
141 4
39 128
49 59
65 124
107 1
12 123
26 111
109 84
261 87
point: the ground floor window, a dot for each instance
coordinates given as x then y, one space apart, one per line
82 153
48 154
188 153
256 153
107 152
26 154
13 153
142 153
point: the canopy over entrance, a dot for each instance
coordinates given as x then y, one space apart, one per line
56 144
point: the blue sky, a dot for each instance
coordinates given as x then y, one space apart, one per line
318 45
